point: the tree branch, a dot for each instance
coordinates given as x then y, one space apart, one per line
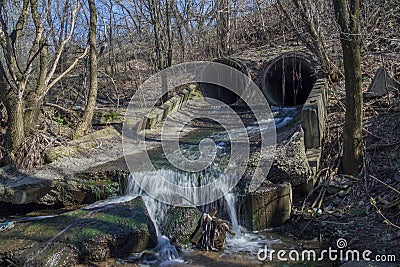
62 45
67 70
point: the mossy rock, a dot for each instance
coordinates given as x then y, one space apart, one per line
74 237
181 223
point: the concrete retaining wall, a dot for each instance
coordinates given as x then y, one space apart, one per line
313 115
160 113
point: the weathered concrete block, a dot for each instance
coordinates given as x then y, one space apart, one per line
291 164
167 108
182 100
314 157
179 100
267 207
313 115
151 119
158 114
175 102
186 92
382 84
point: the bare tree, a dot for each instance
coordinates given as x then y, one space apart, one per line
316 41
86 122
348 17
156 21
224 26
22 91
169 33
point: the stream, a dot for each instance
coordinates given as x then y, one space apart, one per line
242 248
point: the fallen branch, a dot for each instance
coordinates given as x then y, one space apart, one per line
387 185
379 146
69 111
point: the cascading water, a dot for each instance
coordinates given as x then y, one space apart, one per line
157 211
231 204
243 241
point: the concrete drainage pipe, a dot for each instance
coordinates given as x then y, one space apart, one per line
289 79
221 93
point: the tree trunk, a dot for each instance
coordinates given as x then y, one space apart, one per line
169 30
224 27
35 97
86 122
32 112
348 17
15 132
157 37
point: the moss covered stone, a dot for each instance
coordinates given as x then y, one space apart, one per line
181 223
73 237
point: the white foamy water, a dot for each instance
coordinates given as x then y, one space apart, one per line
230 200
247 243
243 241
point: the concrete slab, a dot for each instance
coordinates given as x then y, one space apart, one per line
381 85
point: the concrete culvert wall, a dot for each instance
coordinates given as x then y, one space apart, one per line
289 79
221 93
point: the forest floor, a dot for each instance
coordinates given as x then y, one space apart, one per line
363 208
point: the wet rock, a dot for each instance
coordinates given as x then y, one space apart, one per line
74 237
70 190
181 223
291 163
267 207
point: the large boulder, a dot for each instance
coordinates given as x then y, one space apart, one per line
82 144
291 163
78 236
52 187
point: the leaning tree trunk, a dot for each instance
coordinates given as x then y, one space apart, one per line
348 17
86 122
35 95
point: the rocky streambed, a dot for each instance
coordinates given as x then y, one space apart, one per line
124 226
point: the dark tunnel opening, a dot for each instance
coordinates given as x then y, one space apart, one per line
289 80
223 94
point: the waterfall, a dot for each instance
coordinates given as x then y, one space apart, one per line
230 200
157 211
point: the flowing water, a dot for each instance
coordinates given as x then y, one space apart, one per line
242 248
